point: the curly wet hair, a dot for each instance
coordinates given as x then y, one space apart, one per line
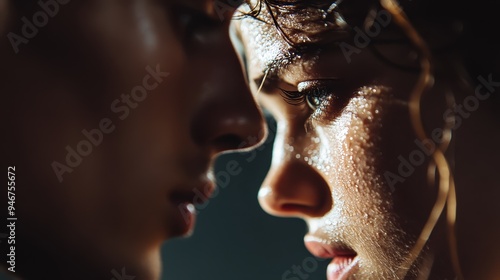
474 49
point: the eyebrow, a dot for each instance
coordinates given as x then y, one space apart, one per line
268 80
271 74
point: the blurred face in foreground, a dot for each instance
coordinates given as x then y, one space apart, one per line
347 159
115 110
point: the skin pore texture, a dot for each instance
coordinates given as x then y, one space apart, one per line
332 151
91 62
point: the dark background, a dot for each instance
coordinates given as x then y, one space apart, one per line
235 239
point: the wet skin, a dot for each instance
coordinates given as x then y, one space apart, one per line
333 151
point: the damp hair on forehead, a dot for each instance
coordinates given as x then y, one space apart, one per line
300 23
464 23
439 167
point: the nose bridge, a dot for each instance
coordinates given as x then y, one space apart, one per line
227 116
293 186
218 64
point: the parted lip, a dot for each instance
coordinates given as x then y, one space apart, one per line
183 200
344 259
198 193
324 249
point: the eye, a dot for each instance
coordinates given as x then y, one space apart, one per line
316 96
318 93
313 97
326 98
313 101
313 93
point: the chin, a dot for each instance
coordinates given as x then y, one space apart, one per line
148 268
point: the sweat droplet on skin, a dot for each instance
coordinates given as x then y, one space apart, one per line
360 123
361 214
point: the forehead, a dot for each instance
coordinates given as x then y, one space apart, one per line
265 42
266 49
262 38
281 35
267 39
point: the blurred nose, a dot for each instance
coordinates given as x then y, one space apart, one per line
227 116
293 187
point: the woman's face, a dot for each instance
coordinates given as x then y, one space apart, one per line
345 158
116 110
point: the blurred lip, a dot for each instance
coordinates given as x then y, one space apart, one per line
186 219
344 260
185 199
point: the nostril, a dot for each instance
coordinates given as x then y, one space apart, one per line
317 210
297 209
314 207
295 189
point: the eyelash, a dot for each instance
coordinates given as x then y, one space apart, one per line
326 99
296 98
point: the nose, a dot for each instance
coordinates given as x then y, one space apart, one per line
294 188
227 116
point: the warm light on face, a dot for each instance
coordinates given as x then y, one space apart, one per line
345 142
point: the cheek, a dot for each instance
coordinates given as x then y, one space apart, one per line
353 145
373 161
360 146
404 165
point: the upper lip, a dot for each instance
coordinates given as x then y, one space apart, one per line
198 193
324 249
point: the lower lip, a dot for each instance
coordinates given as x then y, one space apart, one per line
188 216
341 267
